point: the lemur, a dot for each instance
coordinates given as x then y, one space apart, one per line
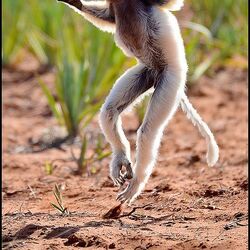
148 31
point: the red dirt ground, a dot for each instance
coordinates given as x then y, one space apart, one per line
187 205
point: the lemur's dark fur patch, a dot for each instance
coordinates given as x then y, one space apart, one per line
132 32
156 2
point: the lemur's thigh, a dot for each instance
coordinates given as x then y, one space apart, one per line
133 83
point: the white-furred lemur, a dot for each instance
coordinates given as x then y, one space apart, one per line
148 31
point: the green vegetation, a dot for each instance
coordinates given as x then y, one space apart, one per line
216 36
48 167
227 22
80 89
99 153
59 206
217 31
87 60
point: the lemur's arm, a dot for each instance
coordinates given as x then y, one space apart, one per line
99 13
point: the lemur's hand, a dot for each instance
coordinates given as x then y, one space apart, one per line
119 160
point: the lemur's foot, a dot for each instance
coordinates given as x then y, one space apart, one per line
131 192
120 160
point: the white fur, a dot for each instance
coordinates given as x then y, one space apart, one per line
172 42
112 126
116 137
174 5
165 100
212 147
163 105
102 25
169 93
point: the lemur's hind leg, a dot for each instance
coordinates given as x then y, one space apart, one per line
128 87
162 107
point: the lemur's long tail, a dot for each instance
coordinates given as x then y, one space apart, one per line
212 147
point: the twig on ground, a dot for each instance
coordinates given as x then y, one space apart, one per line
235 222
221 232
32 191
134 209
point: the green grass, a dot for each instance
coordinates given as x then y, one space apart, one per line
81 87
87 63
227 22
13 29
46 27
221 36
85 162
59 199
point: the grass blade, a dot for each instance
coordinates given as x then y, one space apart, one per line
51 101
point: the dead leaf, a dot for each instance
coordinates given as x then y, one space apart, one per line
113 213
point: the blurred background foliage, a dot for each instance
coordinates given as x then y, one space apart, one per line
88 62
48 29
216 36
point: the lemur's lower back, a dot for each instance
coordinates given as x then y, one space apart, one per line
147 30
